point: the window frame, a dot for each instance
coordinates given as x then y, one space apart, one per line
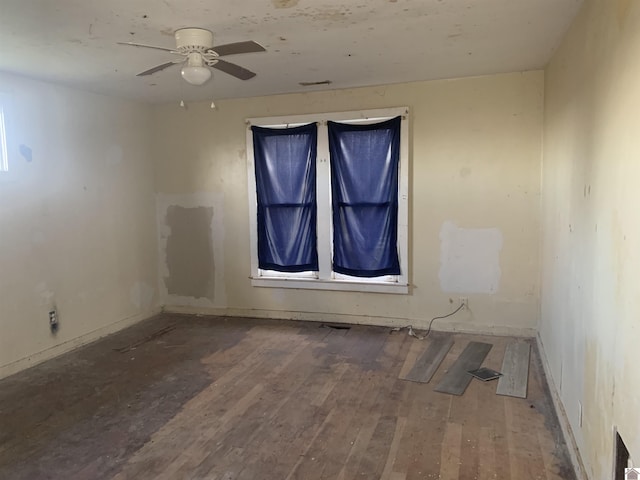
326 279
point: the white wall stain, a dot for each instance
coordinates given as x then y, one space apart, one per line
469 259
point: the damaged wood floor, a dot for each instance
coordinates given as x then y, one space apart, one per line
182 397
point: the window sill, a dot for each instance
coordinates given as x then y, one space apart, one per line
335 285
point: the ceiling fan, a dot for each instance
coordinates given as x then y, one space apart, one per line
195 45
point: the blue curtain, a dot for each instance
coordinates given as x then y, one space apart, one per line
364 188
285 161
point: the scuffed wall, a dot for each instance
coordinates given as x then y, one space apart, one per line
591 262
475 163
77 224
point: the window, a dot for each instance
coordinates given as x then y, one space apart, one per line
328 200
285 172
4 158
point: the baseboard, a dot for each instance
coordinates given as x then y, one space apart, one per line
49 353
442 325
567 432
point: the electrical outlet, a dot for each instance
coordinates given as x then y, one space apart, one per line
464 301
53 320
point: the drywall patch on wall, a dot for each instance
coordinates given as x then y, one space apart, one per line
469 259
141 295
191 254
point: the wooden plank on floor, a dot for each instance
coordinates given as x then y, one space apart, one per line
393 449
456 380
424 368
413 352
515 370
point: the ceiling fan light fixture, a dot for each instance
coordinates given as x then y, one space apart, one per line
196 75
195 72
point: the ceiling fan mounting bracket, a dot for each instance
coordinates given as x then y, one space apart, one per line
193 40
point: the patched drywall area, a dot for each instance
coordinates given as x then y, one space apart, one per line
190 252
591 262
191 231
469 259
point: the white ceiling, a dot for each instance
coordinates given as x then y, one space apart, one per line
349 42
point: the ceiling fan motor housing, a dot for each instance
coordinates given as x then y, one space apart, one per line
193 40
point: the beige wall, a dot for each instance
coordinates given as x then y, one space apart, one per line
475 173
77 225
591 257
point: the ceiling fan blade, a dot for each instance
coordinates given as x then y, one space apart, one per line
238 47
131 44
234 70
156 69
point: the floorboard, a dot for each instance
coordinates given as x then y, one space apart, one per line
242 399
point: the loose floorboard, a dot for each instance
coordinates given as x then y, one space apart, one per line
244 399
425 367
457 378
515 370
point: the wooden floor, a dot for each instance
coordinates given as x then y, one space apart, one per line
211 398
